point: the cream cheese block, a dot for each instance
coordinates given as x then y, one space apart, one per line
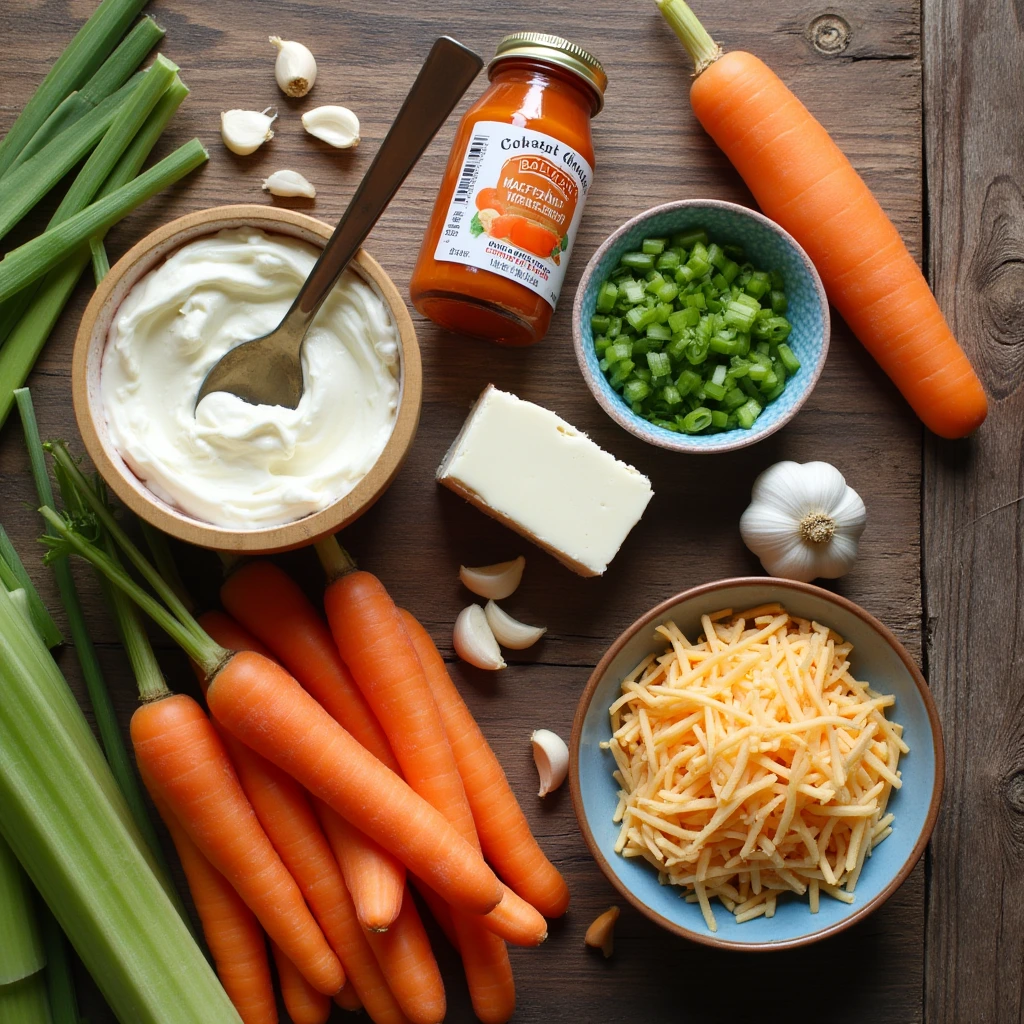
537 474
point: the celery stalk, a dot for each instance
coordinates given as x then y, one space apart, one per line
60 983
81 58
114 72
33 328
24 187
25 1002
21 946
21 266
66 821
40 616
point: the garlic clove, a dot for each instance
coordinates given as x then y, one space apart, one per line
295 67
511 632
551 756
288 183
601 933
244 131
337 126
493 581
474 642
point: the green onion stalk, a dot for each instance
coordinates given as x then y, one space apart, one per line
22 348
127 122
80 60
114 72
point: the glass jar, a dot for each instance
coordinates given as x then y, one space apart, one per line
495 251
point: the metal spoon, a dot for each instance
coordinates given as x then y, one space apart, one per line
268 370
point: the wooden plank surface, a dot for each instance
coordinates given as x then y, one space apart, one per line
974 516
649 150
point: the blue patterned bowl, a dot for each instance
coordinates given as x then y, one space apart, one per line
878 657
767 246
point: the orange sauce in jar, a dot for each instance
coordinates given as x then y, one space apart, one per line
495 251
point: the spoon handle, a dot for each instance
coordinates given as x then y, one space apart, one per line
445 76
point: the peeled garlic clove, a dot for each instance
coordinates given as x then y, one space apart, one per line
288 183
474 642
494 581
511 632
601 933
551 756
244 131
337 126
295 68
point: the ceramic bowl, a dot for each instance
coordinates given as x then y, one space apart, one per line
767 246
878 657
92 339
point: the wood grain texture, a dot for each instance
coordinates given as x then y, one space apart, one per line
974 515
649 150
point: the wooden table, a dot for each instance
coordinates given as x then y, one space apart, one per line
941 559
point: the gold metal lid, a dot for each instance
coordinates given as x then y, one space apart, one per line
558 51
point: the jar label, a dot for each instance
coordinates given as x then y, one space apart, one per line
517 204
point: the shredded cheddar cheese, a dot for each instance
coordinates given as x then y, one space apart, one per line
752 763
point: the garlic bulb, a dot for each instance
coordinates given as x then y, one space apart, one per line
494 581
803 521
601 933
244 131
337 126
288 183
551 756
473 640
511 632
295 68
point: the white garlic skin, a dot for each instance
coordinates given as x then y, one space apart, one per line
337 126
788 501
474 642
510 632
289 183
495 582
244 131
295 67
551 756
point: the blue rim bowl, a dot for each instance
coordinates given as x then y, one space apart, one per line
878 657
767 245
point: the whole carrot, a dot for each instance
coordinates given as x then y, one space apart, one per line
408 963
348 998
293 828
233 934
271 605
801 179
304 1004
373 641
374 879
504 831
179 751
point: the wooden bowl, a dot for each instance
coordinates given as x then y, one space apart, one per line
92 339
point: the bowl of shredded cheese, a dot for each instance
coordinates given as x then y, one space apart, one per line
756 764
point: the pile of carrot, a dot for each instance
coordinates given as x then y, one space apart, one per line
337 765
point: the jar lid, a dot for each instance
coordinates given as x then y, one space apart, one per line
558 51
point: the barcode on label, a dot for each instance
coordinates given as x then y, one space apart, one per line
470 169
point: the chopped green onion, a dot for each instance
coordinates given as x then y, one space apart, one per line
81 57
719 419
638 261
696 421
779 302
747 413
789 359
659 364
636 391
687 382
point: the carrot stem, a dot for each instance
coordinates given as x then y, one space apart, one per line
336 561
196 644
692 34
